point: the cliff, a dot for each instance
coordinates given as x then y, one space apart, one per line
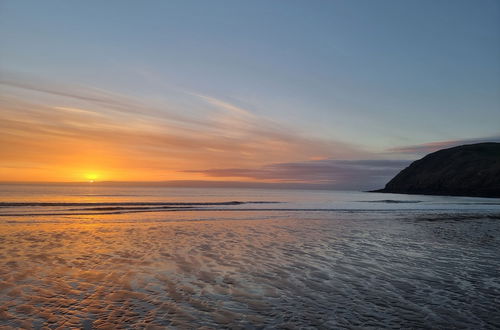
467 170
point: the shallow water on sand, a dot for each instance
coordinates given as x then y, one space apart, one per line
300 263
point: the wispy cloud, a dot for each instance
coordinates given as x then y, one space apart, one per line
59 125
224 105
55 126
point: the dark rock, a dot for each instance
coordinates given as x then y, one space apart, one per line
468 170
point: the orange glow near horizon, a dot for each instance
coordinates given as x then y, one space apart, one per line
125 169
78 134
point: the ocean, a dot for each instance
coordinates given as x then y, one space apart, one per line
91 256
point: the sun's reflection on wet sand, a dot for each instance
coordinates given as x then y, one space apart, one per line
108 274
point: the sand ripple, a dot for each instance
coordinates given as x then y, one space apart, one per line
290 271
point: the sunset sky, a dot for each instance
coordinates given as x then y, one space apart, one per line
335 93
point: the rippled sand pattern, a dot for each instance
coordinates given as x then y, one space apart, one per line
290 271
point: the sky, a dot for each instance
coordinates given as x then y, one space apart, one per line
337 94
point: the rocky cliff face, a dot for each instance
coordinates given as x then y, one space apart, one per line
468 170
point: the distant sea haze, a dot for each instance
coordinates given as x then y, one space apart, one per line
319 174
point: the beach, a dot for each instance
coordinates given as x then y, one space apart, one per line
250 268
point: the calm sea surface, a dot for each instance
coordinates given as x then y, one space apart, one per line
92 256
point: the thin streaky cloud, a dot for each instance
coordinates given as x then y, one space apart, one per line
224 105
104 100
58 130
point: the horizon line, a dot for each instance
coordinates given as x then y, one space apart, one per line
188 184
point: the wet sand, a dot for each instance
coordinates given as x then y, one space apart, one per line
290 270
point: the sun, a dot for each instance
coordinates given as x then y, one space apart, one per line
91 177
